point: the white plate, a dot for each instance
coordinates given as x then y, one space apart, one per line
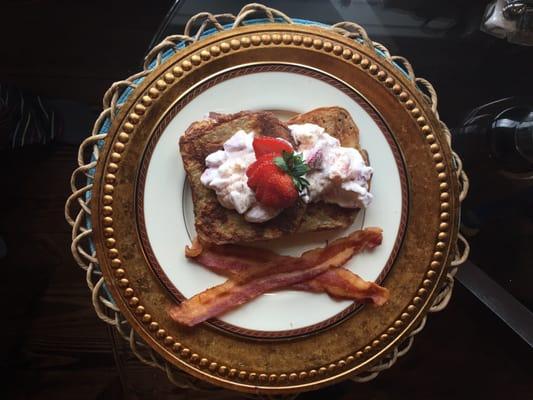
168 211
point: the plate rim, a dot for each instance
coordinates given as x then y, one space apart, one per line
241 70
431 130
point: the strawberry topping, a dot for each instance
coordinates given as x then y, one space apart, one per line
276 190
276 176
265 160
265 145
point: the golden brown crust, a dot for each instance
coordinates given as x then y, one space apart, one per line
335 120
218 225
338 123
214 223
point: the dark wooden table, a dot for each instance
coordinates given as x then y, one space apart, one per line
53 344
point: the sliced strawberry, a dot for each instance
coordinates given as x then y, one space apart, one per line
276 190
265 145
260 192
254 173
285 189
262 172
276 178
269 199
264 159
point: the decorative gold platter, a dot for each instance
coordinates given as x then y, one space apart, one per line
359 340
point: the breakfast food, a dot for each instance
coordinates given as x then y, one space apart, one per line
255 178
276 177
233 260
254 272
340 125
344 284
214 222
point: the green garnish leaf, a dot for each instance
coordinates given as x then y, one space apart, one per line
300 169
281 164
294 165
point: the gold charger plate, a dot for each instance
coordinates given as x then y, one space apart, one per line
302 362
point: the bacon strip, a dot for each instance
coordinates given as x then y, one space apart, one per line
195 249
270 272
232 261
344 284
237 262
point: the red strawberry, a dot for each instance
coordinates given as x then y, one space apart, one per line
265 145
262 172
276 190
277 179
262 161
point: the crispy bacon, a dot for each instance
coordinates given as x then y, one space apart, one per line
270 272
195 249
232 261
344 284
238 262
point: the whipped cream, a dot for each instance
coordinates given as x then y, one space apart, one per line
226 175
338 175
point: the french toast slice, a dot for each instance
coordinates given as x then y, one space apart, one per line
338 123
219 225
215 223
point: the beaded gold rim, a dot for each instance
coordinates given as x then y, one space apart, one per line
230 73
182 66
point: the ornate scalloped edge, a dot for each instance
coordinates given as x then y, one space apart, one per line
186 66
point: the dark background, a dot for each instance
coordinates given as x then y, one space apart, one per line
54 346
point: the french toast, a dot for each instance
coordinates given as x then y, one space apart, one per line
339 124
214 223
218 225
